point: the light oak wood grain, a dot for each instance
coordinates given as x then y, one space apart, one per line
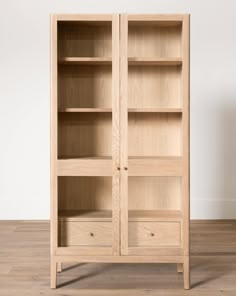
85 193
84 134
115 135
155 166
154 41
25 265
84 40
155 134
85 234
87 166
84 61
124 132
186 148
154 234
120 124
84 86
154 87
133 61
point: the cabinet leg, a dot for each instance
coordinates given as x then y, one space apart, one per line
186 274
59 267
53 280
180 267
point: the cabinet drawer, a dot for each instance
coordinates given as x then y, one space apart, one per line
154 234
85 234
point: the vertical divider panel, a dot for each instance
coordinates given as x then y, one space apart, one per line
124 132
115 137
186 90
53 144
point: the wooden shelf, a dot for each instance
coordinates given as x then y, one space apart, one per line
81 110
106 215
154 215
85 215
135 61
84 61
155 157
63 157
131 110
156 110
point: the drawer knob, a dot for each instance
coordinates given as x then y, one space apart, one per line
152 234
125 168
118 168
91 234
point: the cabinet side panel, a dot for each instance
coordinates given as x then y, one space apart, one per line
186 92
53 134
123 132
115 137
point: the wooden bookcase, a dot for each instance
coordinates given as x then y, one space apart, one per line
120 140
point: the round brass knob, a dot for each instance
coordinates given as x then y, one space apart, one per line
91 234
118 168
152 234
125 168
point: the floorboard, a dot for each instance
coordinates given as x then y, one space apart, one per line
24 266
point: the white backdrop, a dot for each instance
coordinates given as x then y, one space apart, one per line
25 88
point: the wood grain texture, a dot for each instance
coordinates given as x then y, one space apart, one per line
85 234
85 193
157 19
155 193
87 110
25 265
124 132
106 215
154 87
154 234
155 166
154 134
154 41
96 19
84 86
154 61
87 166
84 61
112 70
80 39
115 135
84 135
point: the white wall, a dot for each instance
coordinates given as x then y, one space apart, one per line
24 94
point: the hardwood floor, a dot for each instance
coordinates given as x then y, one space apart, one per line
24 266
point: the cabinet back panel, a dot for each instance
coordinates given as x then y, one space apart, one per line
84 86
154 193
78 39
84 134
154 41
85 193
153 134
154 87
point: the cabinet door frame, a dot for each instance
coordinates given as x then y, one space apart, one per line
124 132
82 167
115 136
178 167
